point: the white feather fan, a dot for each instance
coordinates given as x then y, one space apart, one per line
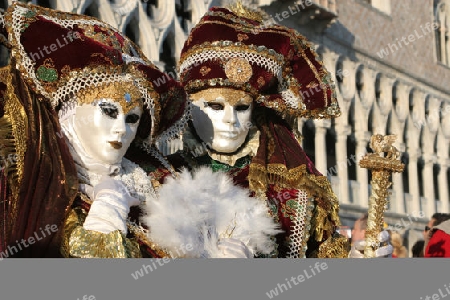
200 209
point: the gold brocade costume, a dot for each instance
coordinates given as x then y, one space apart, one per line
81 243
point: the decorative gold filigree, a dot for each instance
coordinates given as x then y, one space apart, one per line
242 11
381 168
125 93
238 70
232 96
334 247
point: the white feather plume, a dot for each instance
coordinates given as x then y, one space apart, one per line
201 208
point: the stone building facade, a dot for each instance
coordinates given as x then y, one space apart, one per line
391 64
392 71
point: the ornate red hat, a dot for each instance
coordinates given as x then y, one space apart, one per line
235 48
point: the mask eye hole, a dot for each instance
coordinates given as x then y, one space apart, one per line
131 118
242 107
215 105
109 109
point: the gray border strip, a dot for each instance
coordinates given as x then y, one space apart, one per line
97 279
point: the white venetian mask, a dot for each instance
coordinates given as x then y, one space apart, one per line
104 130
222 118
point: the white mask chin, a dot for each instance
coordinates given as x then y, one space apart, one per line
222 118
104 131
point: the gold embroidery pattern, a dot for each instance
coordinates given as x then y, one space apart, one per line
242 37
289 209
260 81
312 85
204 70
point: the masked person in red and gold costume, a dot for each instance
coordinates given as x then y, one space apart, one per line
246 80
78 99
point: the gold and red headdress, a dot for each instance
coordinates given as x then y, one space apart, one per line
63 56
274 63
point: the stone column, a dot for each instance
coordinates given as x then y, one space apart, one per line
413 181
361 173
443 186
397 186
321 145
428 183
417 119
342 163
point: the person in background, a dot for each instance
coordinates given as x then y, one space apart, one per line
400 250
436 219
358 242
437 242
417 248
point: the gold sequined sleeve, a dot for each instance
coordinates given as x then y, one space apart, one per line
82 243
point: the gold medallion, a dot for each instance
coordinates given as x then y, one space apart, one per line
238 70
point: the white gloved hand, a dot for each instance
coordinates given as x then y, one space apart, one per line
384 251
110 207
233 248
